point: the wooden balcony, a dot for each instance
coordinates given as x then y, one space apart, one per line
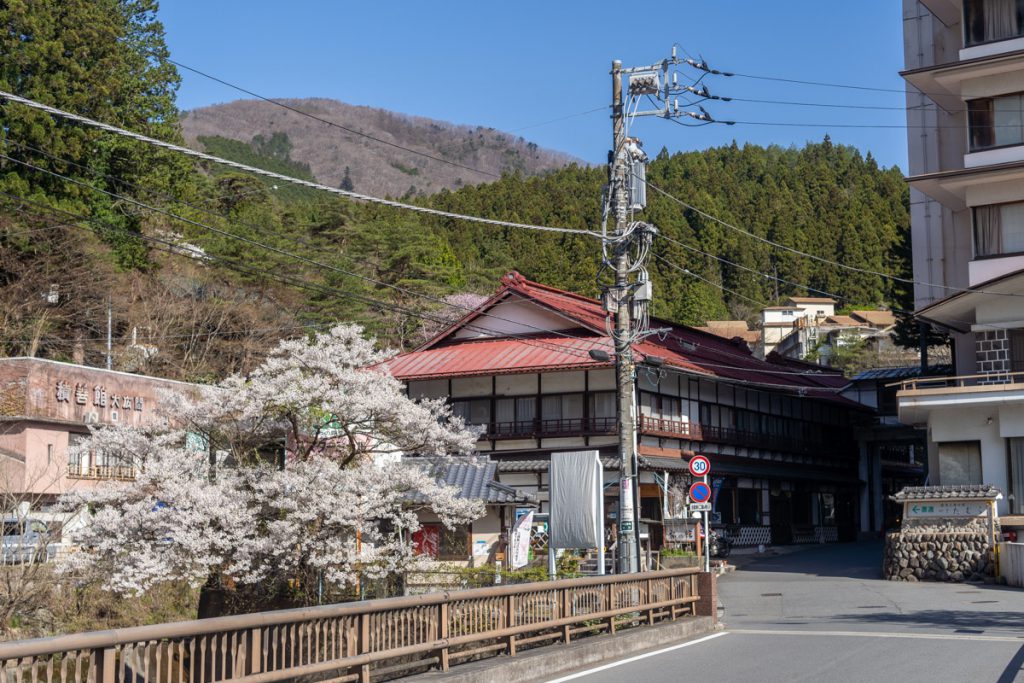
108 472
675 429
539 429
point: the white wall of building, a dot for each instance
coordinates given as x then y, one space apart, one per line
981 423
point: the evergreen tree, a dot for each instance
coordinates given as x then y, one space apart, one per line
346 181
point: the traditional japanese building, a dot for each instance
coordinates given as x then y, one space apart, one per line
785 462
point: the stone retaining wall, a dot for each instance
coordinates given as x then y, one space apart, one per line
938 556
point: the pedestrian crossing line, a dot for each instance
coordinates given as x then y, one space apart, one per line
878 634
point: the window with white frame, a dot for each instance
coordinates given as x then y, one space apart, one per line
986 21
996 121
998 229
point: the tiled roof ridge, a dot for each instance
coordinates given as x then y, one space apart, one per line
514 280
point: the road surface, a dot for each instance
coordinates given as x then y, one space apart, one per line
823 614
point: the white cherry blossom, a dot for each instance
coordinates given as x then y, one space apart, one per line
274 476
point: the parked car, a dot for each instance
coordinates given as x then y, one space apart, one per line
26 540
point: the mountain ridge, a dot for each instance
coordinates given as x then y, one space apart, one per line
374 167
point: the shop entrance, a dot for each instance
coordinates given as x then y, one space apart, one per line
780 506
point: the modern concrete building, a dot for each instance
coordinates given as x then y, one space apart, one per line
965 98
46 406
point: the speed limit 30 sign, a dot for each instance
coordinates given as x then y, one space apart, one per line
700 466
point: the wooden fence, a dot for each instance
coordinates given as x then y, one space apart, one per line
349 642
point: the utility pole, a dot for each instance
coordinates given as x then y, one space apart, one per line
624 371
110 330
625 250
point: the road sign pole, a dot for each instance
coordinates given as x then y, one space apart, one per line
707 538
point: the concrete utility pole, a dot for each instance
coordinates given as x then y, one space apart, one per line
625 251
624 371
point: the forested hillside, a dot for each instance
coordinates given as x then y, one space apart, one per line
204 268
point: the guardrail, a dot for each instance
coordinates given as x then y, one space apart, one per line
994 380
349 642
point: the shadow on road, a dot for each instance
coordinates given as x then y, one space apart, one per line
969 620
860 560
1014 668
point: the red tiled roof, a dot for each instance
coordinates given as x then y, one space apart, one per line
499 356
684 348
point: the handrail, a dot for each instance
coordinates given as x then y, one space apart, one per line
958 381
179 629
283 644
83 471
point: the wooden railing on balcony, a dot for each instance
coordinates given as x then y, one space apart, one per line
349 642
672 428
119 472
994 381
532 429
700 432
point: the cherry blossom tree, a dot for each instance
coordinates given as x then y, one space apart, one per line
287 477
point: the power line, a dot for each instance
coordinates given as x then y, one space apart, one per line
560 118
333 124
157 193
689 272
821 259
171 248
174 249
270 174
273 249
820 83
834 105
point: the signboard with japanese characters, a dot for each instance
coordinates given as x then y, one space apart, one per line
954 508
41 389
94 403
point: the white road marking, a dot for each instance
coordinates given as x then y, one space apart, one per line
876 634
636 658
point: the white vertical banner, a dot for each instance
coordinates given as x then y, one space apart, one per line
519 544
575 482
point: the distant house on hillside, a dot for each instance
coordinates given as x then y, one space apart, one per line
810 324
733 329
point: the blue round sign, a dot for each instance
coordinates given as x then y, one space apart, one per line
700 492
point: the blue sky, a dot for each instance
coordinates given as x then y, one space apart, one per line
512 65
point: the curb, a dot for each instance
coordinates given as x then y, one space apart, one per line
545 663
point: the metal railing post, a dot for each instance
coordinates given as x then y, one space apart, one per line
650 601
364 646
104 664
443 624
510 621
255 651
566 613
610 607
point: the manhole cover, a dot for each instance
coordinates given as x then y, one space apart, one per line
771 595
872 607
984 602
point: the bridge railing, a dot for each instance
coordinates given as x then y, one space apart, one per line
352 641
